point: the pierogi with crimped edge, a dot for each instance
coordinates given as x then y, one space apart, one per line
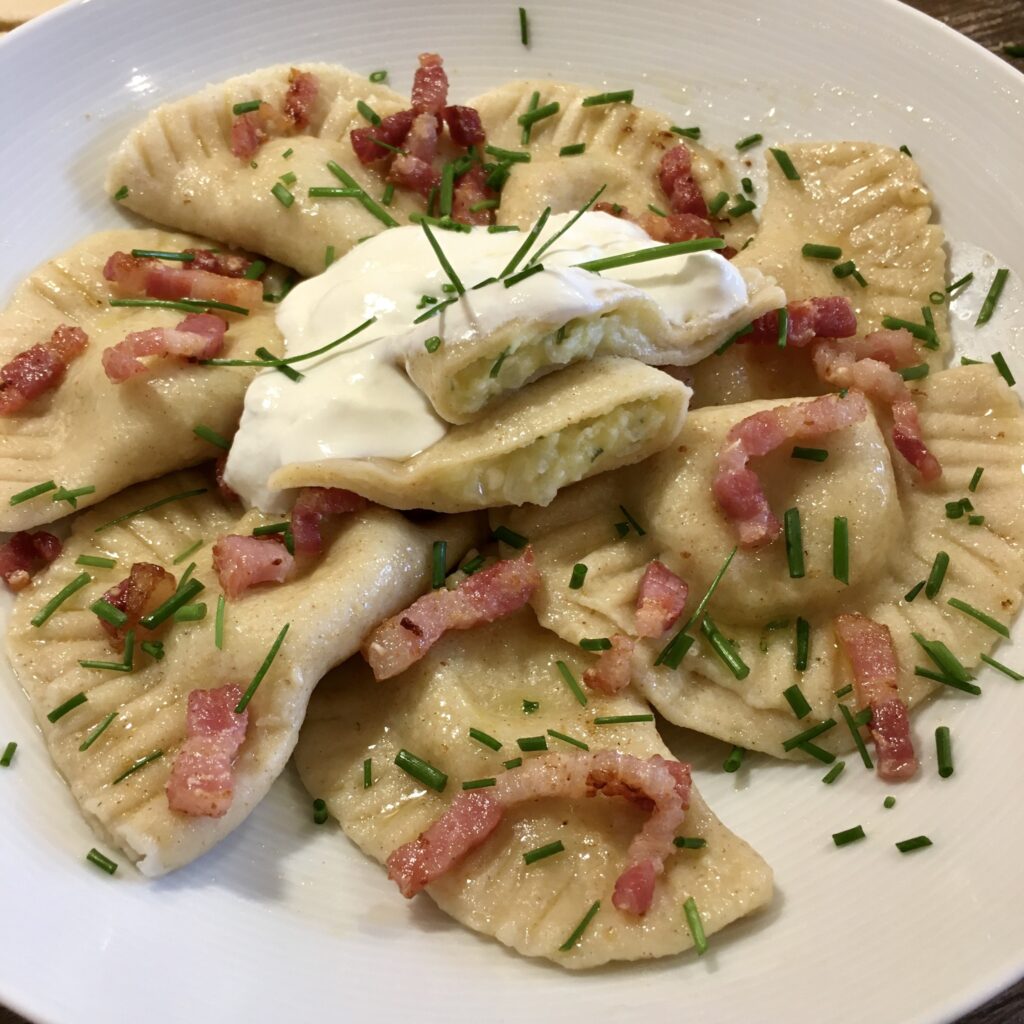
479 680
90 431
585 420
375 562
896 527
179 170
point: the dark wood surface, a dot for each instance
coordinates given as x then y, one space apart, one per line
993 24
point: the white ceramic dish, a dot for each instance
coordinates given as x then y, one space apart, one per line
287 920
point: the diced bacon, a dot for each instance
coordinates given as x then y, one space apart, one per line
677 227
303 88
830 316
490 594
142 591
227 264
471 189
39 369
309 510
23 554
227 492
414 169
464 126
154 279
737 488
613 668
392 130
198 336
838 365
202 782
249 132
421 142
677 182
659 786
244 562
430 85
868 646
660 600
894 348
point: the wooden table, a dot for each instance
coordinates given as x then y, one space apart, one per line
993 23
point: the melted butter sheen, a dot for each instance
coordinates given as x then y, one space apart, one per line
357 401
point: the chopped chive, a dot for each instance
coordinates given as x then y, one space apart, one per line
387 196
378 76
724 649
621 530
975 520
889 803
281 194
821 252
841 549
810 454
33 492
690 842
846 269
917 843
1004 370
850 835
656 210
419 769
367 773
914 591
121 193
579 574
750 140
185 305
962 283
154 648
72 496
782 158
368 112
319 811
284 364
447 190
190 613
566 226
743 207
622 96
509 537
59 598
694 923
108 613
488 741
833 773
524 27
529 706
570 680
485 204
152 505
622 719
600 643
943 658
473 565
857 738
575 149
535 268
1013 49
797 701
479 783
371 206
843 691
922 332
262 670
439 558
941 677
287 153
936 298
985 620
989 305
332 192
999 667
747 185
954 510
640 531
246 107
976 479
822 755
182 596
531 117
733 338
136 765
101 860
512 156
718 202
734 760
944 751
528 743
906 150
655 252
494 229
809 734
532 856
531 106
289 178
687 133
527 243
269 360
577 932
211 435
190 550
554 733
794 543
515 762
443 260
269 528
917 372
8 754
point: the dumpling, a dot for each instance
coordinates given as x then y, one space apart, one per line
503 680
897 528
375 564
178 168
585 420
91 432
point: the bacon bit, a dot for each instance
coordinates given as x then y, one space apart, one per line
414 169
660 600
392 129
676 227
465 126
737 488
250 130
894 348
198 336
202 782
839 366
614 667
430 85
39 369
675 174
470 189
156 280
303 89
868 646
227 492
485 596
142 591
309 510
244 562
658 786
24 554
227 264
830 316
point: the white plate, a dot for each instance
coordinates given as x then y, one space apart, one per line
288 921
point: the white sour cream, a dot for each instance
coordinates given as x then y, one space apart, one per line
357 401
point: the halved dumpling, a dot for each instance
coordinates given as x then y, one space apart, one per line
896 528
179 170
480 680
90 431
374 564
869 201
585 420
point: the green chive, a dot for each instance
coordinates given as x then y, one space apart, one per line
943 658
954 510
319 811
154 648
579 574
447 190
59 598
724 649
479 783
531 117
734 760
367 773
182 596
568 739
733 338
529 706
281 194
989 305
32 492
999 667
824 756
622 719
640 531
906 150
687 133
810 454
527 243
516 761
962 283
936 298
121 193
285 363
288 179
740 209
749 140
917 372
694 923
211 435
570 680
857 738
889 803
718 202
976 479
794 543
152 505
421 770
443 260
657 210
368 112
850 835
833 773
532 856
655 252
942 677
523 274
528 743
922 332
332 192
530 107
378 76
621 530
944 751
511 156
985 620
809 734
185 305
524 27
840 549
1013 49
748 186
485 204
72 496
797 701
473 565
937 574
575 149
191 550
109 613
270 360
782 158
623 96
914 591
844 269
287 153
566 226
509 537
101 860
600 643
136 765
1003 369
8 754
821 252
369 204
577 932
439 558
246 107
690 842
843 691
190 613
917 843
262 670
487 741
